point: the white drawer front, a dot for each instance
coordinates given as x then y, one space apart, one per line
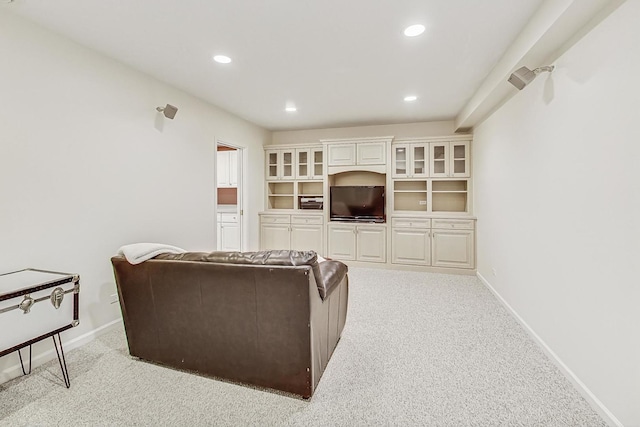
275 219
229 217
306 219
411 223
453 224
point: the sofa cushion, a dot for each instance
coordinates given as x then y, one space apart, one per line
273 257
328 274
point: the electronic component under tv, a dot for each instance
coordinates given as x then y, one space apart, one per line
357 203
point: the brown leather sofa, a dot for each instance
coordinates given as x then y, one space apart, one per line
270 319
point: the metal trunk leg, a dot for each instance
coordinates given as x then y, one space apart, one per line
62 361
22 364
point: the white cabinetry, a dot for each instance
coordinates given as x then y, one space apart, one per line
228 232
353 154
371 153
280 164
227 172
342 242
371 243
452 243
293 173
309 163
275 232
342 154
411 241
437 242
233 168
352 242
306 233
450 159
298 232
410 160
428 201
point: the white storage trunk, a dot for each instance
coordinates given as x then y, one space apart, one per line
34 305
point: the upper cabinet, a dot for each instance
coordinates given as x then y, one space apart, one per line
227 172
309 163
342 154
449 159
280 164
356 154
294 176
370 152
410 160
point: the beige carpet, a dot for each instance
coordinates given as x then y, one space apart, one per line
418 349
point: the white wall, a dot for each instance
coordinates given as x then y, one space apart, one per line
557 196
87 165
407 130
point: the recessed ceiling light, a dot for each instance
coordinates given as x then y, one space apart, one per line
410 98
290 109
414 30
222 59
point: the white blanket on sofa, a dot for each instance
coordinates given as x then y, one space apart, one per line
140 252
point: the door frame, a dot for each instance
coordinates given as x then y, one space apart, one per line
240 203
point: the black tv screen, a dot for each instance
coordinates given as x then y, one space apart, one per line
357 203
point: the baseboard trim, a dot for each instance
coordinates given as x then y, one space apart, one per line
39 359
595 403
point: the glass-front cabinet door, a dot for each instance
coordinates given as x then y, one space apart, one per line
419 160
309 163
459 152
317 163
288 171
303 168
439 159
410 160
272 165
280 164
400 161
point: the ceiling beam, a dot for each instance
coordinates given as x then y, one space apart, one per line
552 30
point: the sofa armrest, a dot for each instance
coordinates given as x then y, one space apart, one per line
331 274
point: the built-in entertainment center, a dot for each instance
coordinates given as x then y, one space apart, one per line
378 201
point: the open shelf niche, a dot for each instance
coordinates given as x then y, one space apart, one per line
357 178
449 196
280 195
410 195
309 189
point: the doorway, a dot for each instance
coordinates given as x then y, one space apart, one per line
228 197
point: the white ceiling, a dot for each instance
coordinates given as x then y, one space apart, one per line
341 62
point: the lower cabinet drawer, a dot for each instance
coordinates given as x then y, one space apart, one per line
306 219
275 219
228 217
410 223
453 224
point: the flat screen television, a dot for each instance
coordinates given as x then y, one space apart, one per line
357 203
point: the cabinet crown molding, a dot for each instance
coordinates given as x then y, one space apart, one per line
291 146
352 140
468 137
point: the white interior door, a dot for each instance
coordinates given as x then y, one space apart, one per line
228 197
